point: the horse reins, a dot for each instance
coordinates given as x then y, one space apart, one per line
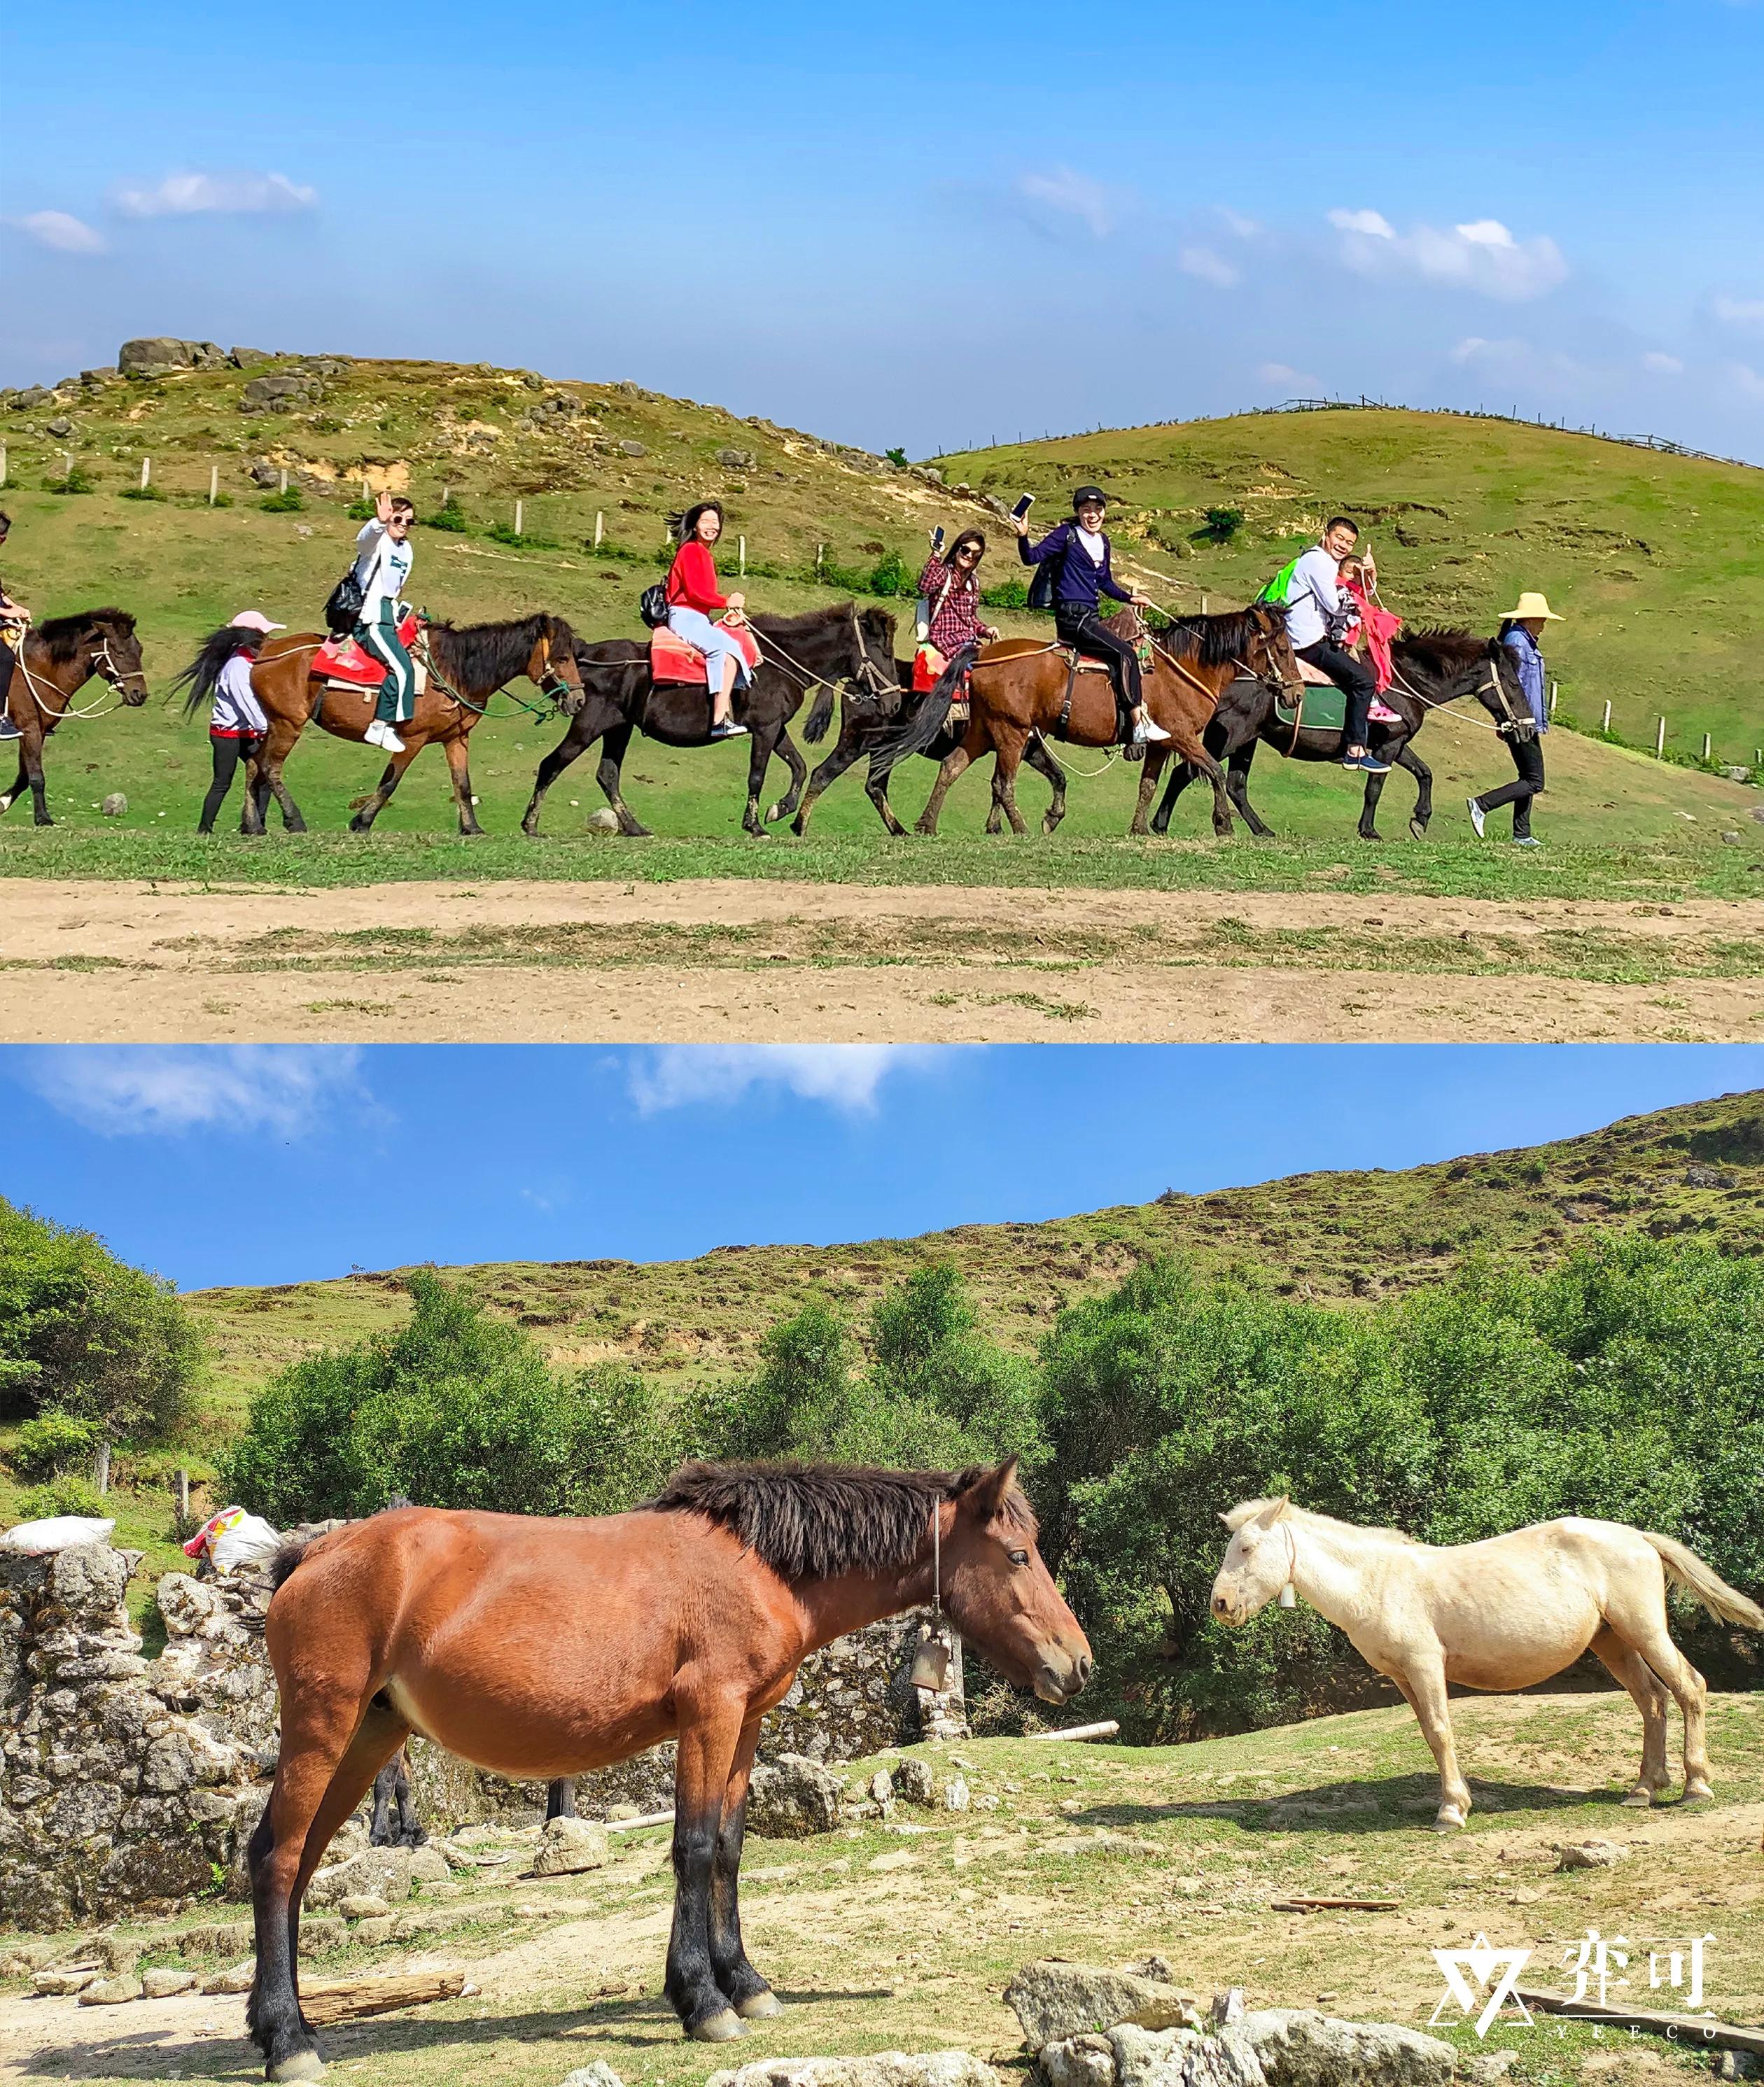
865 672
113 680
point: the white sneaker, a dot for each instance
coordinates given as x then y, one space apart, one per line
375 734
1477 816
390 739
1143 734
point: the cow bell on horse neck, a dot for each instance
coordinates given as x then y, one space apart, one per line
931 1662
1289 1598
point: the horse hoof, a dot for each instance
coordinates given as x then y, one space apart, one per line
298 2065
1693 1798
762 2006
774 813
1638 1800
1417 831
722 2028
1443 1825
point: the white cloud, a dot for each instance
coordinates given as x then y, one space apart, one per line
60 233
232 194
1746 313
845 1076
162 1090
1746 380
1234 221
1283 375
1069 195
1661 365
1482 255
1203 261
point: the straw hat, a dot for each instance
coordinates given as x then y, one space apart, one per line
1531 605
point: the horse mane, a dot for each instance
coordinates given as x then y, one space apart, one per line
485 656
809 621
62 635
814 1521
1215 640
1234 1518
1442 650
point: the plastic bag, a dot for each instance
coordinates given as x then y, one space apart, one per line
232 1537
59 1532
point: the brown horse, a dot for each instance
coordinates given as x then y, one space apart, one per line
1022 688
465 669
55 662
540 1648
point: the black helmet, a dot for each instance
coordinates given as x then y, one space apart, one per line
1086 493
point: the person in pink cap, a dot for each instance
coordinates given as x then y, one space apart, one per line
237 724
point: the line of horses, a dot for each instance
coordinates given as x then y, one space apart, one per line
1220 685
540 1648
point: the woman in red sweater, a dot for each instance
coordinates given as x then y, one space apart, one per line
692 595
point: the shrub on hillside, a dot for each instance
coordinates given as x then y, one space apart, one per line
86 1337
49 1444
450 518
455 1409
66 1495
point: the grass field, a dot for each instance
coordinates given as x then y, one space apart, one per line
901 1933
1681 627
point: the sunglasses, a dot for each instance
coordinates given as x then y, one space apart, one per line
971 553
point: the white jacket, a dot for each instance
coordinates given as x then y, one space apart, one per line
1314 598
381 567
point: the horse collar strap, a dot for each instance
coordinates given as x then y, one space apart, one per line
931 1662
1289 1598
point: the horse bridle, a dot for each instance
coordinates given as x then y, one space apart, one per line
547 665
112 675
866 672
117 675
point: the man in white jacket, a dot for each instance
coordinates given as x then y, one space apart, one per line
1316 615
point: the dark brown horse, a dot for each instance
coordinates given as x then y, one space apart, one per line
1433 668
55 662
540 1648
1030 689
466 666
822 649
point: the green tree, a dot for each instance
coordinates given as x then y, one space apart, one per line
83 1335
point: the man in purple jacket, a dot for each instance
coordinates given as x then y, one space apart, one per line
1079 552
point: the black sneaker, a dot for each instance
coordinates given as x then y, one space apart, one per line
728 729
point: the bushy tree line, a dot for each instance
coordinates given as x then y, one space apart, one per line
89 1345
1627 1382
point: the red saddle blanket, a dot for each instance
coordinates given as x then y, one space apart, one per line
671 658
342 659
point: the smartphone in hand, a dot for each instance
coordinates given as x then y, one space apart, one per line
937 541
1022 506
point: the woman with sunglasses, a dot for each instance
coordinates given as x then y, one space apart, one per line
950 587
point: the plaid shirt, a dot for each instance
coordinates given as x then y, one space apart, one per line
956 623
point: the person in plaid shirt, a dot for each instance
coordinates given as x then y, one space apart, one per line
950 588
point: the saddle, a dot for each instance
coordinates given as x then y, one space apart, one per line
1324 705
340 662
673 661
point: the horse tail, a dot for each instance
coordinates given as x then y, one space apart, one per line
204 670
922 726
814 731
1685 1569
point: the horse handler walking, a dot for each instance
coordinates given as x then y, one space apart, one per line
1521 631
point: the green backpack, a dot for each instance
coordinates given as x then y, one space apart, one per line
1280 586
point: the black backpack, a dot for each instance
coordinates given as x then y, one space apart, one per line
652 605
1041 585
343 611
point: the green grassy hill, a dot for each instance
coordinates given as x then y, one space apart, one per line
1337 1236
490 437
1653 559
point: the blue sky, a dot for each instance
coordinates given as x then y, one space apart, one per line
924 227
278 1164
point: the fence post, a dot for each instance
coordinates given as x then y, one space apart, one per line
1660 740
820 552
447 495
1705 746
1606 725
366 491
516 518
600 526
181 1494
102 1468
2 463
147 471
214 483
742 542
1203 604
1555 687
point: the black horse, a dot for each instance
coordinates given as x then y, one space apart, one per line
1433 668
822 649
890 727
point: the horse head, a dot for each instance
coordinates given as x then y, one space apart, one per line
1270 655
552 667
101 642
1259 1560
996 1585
872 665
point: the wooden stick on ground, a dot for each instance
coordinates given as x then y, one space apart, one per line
1105 1730
344 2000
1307 1905
1703 2031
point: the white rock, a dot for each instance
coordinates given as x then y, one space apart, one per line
568 1846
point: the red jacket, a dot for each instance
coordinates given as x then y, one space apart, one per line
692 578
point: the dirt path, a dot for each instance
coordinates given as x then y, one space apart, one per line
763 963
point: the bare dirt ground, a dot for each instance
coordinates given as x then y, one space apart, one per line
752 962
901 1933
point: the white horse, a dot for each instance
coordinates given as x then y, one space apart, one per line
1503 1613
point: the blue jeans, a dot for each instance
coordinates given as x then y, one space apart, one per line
398 691
712 639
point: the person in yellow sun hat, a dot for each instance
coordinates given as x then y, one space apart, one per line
1522 630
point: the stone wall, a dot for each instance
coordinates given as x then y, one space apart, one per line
133 1784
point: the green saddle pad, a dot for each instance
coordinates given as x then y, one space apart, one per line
1326 710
